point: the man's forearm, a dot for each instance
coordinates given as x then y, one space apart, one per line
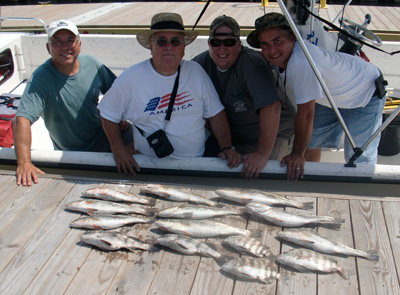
22 140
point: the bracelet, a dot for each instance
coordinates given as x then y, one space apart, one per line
228 148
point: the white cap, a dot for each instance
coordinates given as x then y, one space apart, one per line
62 25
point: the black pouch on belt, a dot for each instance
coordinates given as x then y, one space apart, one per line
380 84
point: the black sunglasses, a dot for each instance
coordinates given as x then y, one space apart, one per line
164 42
226 42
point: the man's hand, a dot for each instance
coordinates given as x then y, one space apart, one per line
253 164
123 158
295 166
26 173
233 157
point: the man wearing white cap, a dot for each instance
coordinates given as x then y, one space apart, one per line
145 91
64 91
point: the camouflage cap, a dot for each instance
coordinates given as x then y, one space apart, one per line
267 21
222 21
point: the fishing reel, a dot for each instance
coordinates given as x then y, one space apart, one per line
352 45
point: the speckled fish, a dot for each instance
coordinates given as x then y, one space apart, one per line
107 221
251 268
248 196
92 207
305 260
186 211
202 228
175 194
109 194
188 245
112 241
312 240
286 219
245 244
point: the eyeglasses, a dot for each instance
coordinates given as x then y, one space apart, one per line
60 43
226 42
163 42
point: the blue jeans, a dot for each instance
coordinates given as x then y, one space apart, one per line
361 122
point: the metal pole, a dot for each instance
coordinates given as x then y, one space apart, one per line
340 12
2 18
316 71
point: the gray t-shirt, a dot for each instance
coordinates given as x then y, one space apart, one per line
244 89
68 104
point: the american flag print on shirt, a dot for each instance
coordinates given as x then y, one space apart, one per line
160 103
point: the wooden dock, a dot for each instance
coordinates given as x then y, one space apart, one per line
41 254
129 17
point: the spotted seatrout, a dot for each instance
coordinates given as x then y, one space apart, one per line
105 207
248 196
312 240
255 269
175 194
306 260
108 221
112 241
202 228
245 244
286 219
186 211
188 245
109 194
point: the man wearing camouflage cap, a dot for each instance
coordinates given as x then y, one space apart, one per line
247 89
351 82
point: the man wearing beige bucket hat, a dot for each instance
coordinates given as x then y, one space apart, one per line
167 99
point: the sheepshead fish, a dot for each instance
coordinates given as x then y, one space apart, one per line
248 196
186 211
111 241
312 240
202 228
105 207
245 244
110 194
187 245
255 269
286 219
305 260
108 221
175 194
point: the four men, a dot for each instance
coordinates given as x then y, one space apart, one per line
166 104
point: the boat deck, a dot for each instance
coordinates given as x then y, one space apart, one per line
122 17
41 254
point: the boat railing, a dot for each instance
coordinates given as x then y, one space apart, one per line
3 18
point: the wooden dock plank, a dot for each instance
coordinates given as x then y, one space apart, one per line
368 224
32 222
329 284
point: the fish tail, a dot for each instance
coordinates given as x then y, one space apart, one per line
150 211
344 274
372 255
255 233
307 205
243 211
222 259
150 202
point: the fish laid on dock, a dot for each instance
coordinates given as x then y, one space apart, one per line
112 241
188 245
110 194
249 196
186 211
286 219
203 228
107 221
92 207
175 194
255 269
245 244
312 240
305 260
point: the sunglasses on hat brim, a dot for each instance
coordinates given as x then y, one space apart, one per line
226 42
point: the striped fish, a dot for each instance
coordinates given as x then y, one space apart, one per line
246 244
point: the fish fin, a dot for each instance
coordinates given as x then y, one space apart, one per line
307 205
223 259
344 274
372 255
255 233
308 241
106 242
